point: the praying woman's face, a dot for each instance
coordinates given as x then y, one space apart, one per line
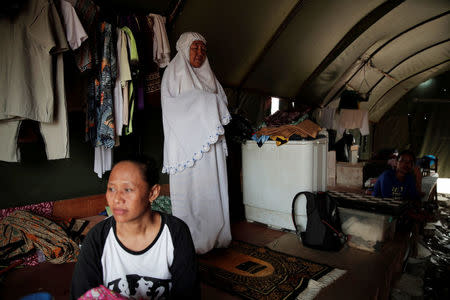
197 54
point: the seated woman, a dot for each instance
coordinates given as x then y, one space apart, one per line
398 183
139 253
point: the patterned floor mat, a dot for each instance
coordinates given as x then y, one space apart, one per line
254 272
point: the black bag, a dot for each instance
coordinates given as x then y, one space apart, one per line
323 228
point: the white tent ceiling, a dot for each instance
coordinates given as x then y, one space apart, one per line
311 51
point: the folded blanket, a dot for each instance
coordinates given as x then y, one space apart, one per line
23 232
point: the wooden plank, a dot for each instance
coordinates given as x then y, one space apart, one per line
88 206
80 207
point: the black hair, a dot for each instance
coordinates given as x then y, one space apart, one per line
148 167
407 152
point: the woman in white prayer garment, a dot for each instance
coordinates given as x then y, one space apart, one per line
194 107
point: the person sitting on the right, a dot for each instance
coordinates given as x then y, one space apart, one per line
398 183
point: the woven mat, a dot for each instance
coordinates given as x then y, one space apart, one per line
254 272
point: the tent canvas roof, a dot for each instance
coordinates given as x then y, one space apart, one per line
311 50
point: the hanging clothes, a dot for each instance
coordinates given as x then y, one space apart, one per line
104 112
103 160
149 69
145 73
194 107
161 46
118 93
100 129
354 119
103 102
124 75
75 32
327 115
133 58
132 29
56 133
103 157
107 77
37 64
26 80
88 12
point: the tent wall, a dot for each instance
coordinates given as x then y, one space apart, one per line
41 180
437 138
419 121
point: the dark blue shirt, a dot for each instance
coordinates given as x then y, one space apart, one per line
388 186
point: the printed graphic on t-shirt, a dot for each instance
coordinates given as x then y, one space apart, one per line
397 192
141 287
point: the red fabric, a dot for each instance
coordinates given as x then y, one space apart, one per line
29 260
44 209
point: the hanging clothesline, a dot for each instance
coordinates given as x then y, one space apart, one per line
105 51
122 76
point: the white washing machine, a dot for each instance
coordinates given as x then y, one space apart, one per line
272 175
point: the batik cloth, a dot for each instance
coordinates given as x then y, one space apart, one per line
22 232
88 13
100 127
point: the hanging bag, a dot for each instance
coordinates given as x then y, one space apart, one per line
323 227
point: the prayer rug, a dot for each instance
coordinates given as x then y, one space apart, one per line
255 272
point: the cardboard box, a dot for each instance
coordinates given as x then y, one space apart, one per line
348 174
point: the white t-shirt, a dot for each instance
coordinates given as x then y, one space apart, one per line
166 269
